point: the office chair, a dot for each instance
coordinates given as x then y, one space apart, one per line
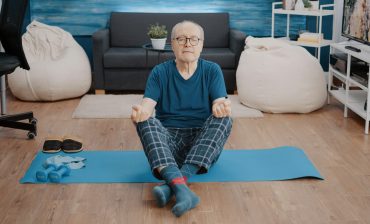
11 20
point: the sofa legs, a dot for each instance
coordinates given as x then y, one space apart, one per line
100 92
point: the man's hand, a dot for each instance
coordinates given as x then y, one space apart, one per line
143 111
221 108
139 114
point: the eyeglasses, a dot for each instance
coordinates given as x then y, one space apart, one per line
192 40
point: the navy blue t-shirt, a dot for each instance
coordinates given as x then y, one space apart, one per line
185 103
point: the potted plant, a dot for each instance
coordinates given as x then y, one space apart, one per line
158 35
299 5
307 4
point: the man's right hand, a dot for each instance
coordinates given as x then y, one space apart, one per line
139 114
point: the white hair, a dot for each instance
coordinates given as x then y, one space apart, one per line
174 29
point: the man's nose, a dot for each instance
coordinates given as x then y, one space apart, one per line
187 43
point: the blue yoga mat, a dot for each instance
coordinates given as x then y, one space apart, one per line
281 163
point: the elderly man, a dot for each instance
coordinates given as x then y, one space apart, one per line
192 120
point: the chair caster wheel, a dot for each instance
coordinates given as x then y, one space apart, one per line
33 121
31 135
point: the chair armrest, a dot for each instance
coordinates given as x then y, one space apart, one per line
100 45
237 42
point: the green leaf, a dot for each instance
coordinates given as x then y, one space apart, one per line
157 31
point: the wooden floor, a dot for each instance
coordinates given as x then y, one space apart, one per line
337 146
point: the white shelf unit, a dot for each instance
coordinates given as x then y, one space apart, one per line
353 99
323 11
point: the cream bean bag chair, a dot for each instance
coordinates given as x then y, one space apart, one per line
60 68
276 77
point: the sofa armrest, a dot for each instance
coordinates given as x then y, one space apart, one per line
100 45
237 42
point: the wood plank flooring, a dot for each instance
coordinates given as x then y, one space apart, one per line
337 146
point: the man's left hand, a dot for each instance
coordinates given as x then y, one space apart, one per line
221 108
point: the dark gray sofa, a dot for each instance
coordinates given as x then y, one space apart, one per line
120 61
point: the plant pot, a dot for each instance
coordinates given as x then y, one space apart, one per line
314 5
299 5
159 43
288 4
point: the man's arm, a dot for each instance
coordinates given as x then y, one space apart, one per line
143 111
221 107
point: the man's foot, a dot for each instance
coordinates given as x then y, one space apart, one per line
162 194
185 200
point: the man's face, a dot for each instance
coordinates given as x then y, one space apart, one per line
186 36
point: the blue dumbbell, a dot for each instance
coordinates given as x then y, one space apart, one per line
42 175
56 175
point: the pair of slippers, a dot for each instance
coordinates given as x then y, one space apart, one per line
67 144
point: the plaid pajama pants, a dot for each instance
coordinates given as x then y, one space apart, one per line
178 146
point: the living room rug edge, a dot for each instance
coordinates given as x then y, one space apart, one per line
119 106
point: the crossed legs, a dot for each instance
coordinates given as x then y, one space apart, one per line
192 149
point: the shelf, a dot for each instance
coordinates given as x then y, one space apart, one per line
323 43
325 10
356 100
304 12
364 55
339 95
343 78
338 74
352 99
352 81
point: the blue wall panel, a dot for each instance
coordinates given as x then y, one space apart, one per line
327 27
84 17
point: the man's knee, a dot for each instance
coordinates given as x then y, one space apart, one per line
222 122
150 123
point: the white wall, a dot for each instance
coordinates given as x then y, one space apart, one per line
337 29
337 19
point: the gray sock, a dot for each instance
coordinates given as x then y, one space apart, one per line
163 193
185 198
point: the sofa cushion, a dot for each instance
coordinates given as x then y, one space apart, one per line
136 57
222 56
130 29
121 57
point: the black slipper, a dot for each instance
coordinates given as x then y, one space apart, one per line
71 144
52 145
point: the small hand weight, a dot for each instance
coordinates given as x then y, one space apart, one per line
56 175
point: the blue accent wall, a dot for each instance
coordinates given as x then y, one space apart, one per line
84 18
327 27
